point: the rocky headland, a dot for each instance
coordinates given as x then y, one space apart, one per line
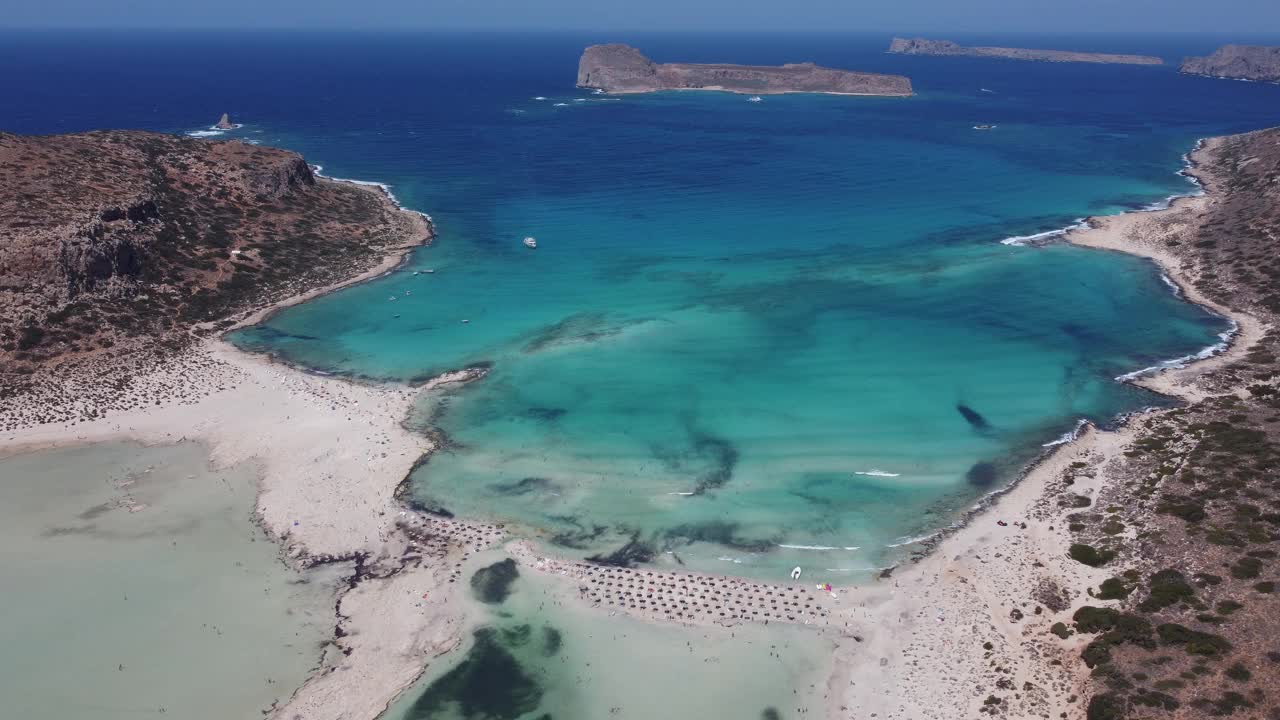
1182 519
1237 62
921 46
623 69
116 245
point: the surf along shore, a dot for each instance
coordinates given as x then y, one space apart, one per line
962 631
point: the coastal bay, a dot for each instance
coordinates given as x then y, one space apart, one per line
343 479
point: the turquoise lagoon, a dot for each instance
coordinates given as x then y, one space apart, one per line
747 325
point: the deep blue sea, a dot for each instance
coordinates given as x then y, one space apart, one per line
753 335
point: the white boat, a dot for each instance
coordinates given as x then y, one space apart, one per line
754 98
530 242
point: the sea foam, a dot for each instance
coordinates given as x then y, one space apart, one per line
1083 223
1068 436
1224 342
318 170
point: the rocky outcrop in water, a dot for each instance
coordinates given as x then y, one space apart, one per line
224 123
1237 62
623 69
921 46
116 241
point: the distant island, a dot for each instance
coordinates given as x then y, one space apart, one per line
623 69
920 46
1237 62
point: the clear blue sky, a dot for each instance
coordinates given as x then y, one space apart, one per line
939 16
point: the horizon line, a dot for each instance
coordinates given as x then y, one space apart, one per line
401 30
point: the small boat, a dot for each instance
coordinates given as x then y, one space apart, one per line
530 243
754 98
984 127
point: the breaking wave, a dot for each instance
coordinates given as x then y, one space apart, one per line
319 172
1224 342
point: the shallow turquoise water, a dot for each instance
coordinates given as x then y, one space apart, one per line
751 302
735 309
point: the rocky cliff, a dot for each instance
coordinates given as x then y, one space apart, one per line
113 242
1238 62
920 46
623 69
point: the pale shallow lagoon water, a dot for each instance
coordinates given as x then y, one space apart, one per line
532 658
181 606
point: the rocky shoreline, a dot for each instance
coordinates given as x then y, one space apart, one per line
1257 63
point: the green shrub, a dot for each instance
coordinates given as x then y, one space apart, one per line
1239 673
1090 555
1183 507
1226 607
1152 698
1096 653
1246 568
1168 587
1193 641
1106 706
1113 589
1090 619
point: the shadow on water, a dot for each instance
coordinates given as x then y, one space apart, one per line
982 474
974 418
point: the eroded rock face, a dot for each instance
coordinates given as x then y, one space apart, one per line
623 69
921 46
224 123
1238 62
616 68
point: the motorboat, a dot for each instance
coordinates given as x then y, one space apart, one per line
530 243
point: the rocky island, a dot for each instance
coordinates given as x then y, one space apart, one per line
921 46
623 69
1237 62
